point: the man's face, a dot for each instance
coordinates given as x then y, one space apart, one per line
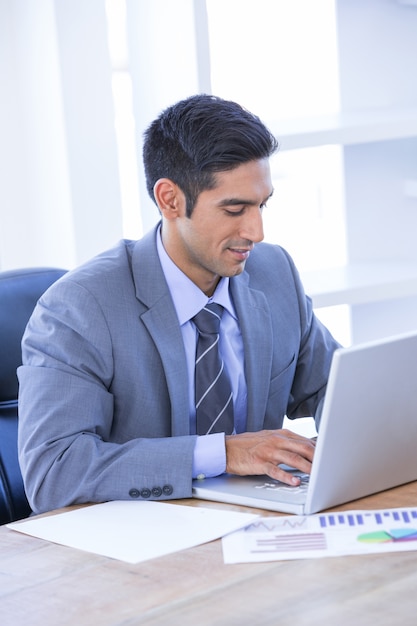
225 224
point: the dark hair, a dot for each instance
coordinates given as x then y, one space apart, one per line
192 140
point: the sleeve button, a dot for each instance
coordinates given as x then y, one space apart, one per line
156 492
134 493
145 493
167 490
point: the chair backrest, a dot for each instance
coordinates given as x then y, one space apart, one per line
19 293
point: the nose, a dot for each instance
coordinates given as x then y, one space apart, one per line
252 227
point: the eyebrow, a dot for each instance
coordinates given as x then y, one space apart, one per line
240 201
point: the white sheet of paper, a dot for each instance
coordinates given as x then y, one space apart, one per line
134 531
323 535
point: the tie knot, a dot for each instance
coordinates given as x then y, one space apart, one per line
208 319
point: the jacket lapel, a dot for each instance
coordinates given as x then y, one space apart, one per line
161 321
255 324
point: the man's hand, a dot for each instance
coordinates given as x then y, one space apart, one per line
261 453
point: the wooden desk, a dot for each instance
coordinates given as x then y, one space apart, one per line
47 584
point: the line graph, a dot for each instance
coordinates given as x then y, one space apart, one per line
276 524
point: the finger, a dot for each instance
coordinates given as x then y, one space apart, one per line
298 446
278 473
297 455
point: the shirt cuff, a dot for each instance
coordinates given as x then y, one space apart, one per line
209 456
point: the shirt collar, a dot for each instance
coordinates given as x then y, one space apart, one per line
187 297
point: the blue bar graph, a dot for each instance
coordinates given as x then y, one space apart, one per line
332 520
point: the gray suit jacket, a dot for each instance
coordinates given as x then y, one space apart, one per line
103 405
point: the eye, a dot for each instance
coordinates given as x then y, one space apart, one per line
235 213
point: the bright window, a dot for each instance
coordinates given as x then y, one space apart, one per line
278 58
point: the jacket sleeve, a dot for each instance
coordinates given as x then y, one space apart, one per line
70 450
315 354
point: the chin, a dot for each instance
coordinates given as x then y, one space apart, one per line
237 270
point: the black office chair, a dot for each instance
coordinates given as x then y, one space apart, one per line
19 292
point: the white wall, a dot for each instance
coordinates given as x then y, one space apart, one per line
59 187
33 181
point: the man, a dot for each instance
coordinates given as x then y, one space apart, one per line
107 387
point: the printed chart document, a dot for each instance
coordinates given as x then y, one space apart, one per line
321 535
134 531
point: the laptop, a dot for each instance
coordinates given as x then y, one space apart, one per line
367 438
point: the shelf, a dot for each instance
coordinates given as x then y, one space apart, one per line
346 128
361 283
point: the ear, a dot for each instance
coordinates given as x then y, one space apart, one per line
169 198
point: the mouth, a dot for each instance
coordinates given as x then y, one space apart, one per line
241 254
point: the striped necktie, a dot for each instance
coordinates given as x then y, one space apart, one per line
213 394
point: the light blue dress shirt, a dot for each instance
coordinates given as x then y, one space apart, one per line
210 451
